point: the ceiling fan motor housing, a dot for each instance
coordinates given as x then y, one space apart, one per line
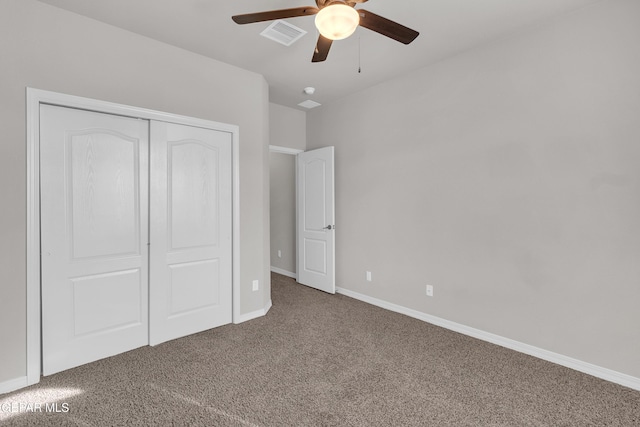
332 2
352 3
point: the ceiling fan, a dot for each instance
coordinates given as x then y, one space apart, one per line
335 20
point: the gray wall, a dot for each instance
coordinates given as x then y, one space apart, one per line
287 127
508 177
283 211
47 48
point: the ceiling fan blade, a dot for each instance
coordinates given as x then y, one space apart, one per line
322 49
272 15
386 27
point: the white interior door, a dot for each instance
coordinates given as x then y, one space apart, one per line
94 228
316 219
191 230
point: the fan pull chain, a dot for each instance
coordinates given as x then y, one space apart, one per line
359 67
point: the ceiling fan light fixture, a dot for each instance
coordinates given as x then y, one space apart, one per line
337 21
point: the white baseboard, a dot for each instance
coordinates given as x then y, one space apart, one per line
569 362
284 272
12 385
254 314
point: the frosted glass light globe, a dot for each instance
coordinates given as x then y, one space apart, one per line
337 21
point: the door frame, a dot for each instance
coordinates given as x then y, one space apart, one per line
35 97
293 152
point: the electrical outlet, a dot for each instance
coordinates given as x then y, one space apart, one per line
368 276
256 285
279 253
429 290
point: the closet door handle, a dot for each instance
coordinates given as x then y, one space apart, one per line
329 227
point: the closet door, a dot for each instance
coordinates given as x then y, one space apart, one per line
191 230
94 227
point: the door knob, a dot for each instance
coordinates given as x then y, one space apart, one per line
328 227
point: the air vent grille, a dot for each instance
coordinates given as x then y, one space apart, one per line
283 33
309 104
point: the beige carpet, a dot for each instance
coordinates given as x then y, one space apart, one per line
322 360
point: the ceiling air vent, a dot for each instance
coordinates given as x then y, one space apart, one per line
283 33
309 104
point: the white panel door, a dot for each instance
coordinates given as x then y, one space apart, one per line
191 230
316 216
94 227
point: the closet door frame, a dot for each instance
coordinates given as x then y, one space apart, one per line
36 97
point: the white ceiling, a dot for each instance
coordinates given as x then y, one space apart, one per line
204 26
